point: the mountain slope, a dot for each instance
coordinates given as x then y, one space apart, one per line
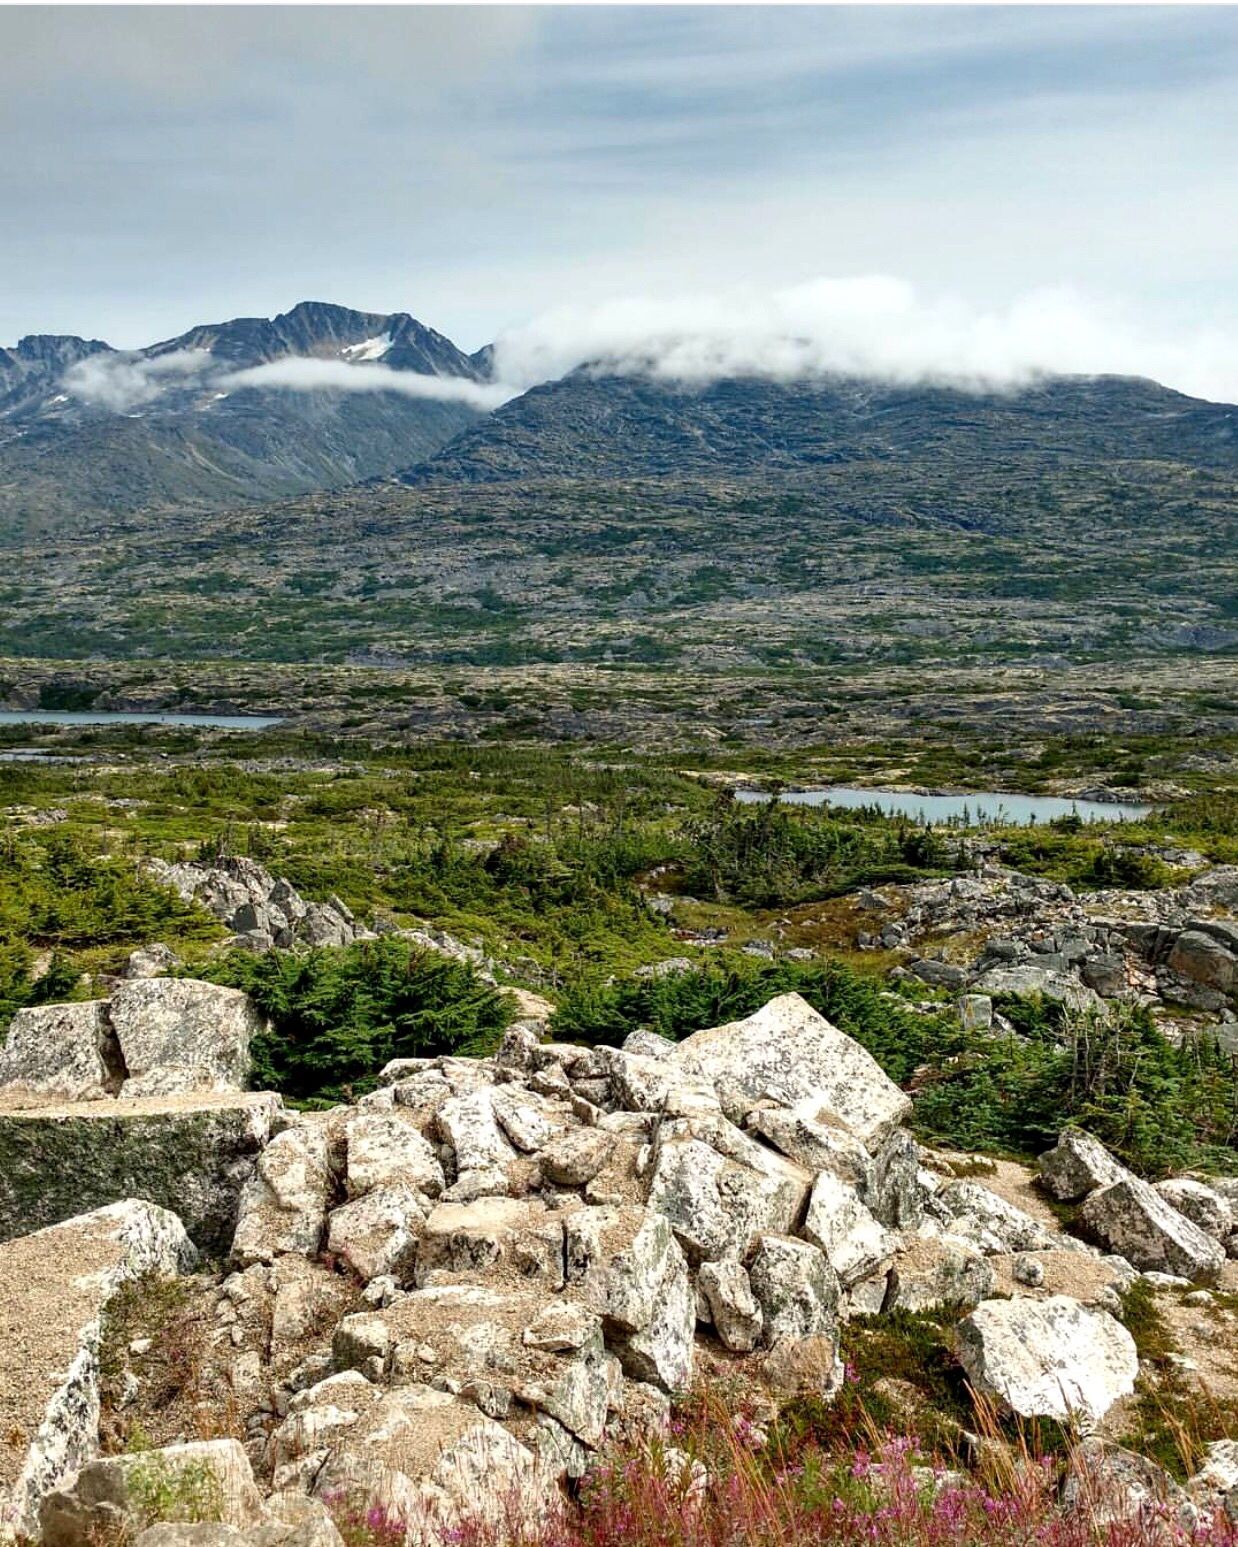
587 426
88 432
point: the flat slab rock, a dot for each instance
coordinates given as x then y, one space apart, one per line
189 1153
786 1051
54 1285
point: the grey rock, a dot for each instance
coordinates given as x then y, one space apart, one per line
1133 1219
1202 1205
178 1034
734 1311
68 1051
1077 1165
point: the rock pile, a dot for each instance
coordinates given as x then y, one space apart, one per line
1179 946
455 1291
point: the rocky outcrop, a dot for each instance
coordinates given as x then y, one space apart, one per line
1049 1358
192 1154
261 910
57 1284
153 1037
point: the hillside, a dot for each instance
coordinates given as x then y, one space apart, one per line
587 426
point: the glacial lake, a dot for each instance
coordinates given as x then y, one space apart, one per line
222 722
1006 809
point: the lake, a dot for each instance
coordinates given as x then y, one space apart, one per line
222 722
1011 810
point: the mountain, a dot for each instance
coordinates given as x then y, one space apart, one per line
89 432
606 427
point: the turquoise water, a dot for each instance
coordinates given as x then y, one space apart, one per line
1012 810
223 722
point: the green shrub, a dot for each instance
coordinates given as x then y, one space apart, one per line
732 986
339 1014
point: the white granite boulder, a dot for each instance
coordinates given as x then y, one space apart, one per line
787 1052
1051 1358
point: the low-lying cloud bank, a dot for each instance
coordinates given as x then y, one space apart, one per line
302 374
122 383
875 327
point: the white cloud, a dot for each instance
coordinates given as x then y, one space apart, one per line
122 381
870 326
297 374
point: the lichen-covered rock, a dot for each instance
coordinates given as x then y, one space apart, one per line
1112 1486
815 1146
1132 1219
893 1190
178 1034
58 1283
1051 1358
1077 1165
113 1494
283 1207
936 1271
377 1234
856 1245
786 1051
733 1308
191 1154
1202 1205
719 1206
491 1235
385 1148
796 1288
63 1050
1027 978
989 1222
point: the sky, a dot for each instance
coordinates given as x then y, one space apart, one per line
983 182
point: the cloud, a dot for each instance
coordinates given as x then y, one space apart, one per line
298 374
874 326
122 381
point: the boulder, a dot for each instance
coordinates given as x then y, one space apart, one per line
192 1154
283 1207
63 1050
377 1234
1135 1221
856 1245
815 1146
520 1236
796 1288
58 1282
719 1206
386 1148
150 961
1029 979
1051 1358
894 1190
1203 959
1202 1205
1077 1165
119 1495
1110 1486
787 1052
177 1034
988 1222
733 1308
